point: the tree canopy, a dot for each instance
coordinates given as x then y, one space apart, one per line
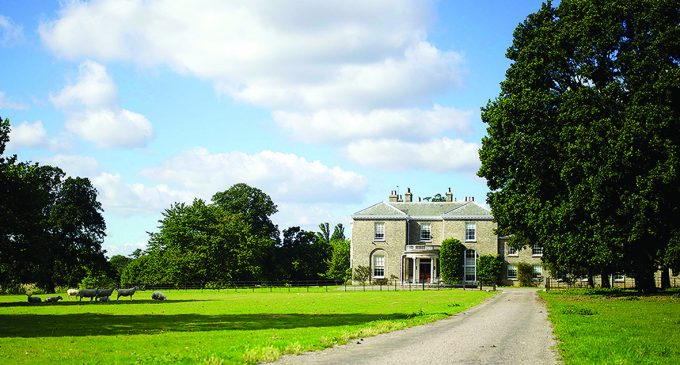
582 153
51 226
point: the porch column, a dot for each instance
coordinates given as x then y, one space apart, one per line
431 270
414 270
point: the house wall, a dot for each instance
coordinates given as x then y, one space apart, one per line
487 241
523 255
364 245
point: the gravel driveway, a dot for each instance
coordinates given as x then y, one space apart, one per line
511 327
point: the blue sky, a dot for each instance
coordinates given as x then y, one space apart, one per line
325 106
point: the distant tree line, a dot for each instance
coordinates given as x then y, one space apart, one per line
51 226
232 239
52 229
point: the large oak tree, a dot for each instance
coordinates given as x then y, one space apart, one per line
583 153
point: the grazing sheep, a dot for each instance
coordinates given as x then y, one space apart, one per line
87 293
53 299
158 296
127 292
105 292
104 299
32 299
72 292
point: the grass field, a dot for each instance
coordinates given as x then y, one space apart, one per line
211 327
600 327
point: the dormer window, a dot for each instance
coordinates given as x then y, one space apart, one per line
425 232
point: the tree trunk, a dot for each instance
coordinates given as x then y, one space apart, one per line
604 279
665 278
591 281
644 282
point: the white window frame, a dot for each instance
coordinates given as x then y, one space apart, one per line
470 227
428 237
537 250
513 268
512 251
378 264
537 272
376 231
619 277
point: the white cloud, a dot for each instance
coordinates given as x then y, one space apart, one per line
404 124
31 135
111 128
6 103
93 113
94 89
441 155
283 55
285 177
9 32
74 165
125 199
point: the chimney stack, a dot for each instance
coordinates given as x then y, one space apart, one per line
393 196
408 195
449 196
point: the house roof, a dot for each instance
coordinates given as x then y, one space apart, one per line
424 210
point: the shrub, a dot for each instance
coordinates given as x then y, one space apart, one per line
525 274
96 281
362 273
451 260
489 269
381 281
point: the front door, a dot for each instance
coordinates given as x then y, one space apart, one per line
424 269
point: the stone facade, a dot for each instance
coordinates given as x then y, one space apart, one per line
399 240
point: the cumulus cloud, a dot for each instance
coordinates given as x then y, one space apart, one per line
111 128
31 135
93 89
93 114
74 165
9 32
405 124
124 199
286 177
441 155
6 103
283 55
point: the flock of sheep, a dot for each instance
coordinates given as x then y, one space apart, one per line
102 295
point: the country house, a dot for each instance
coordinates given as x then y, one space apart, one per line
399 240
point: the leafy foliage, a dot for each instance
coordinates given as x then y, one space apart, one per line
582 153
525 274
489 269
451 254
51 226
362 274
339 265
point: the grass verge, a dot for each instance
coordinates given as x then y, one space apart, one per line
211 327
615 326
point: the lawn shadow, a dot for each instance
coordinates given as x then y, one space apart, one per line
88 302
95 324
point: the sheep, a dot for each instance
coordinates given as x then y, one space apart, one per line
87 293
53 299
32 299
104 299
105 292
158 296
127 292
72 292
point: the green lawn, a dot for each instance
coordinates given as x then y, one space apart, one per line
211 327
600 327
